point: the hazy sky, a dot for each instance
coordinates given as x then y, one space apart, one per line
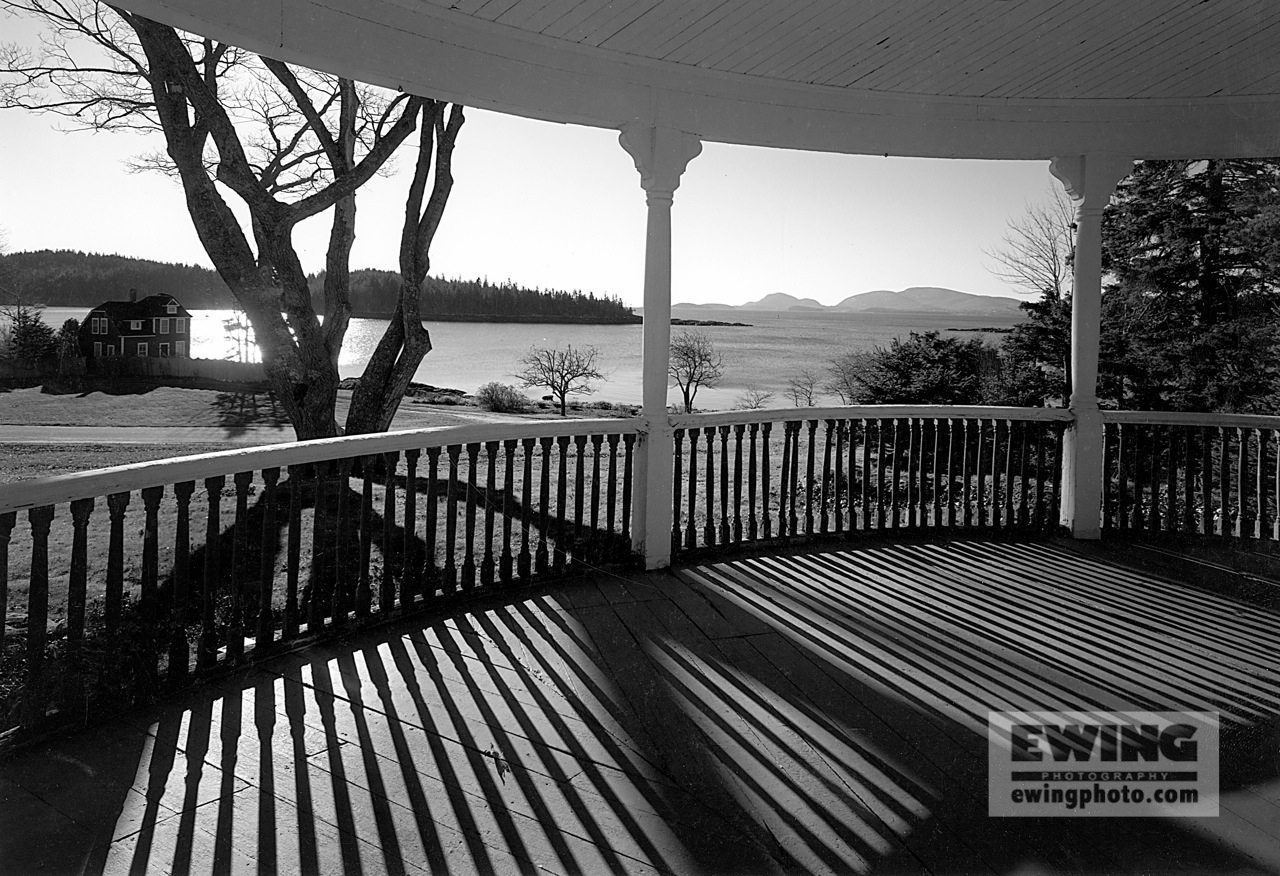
561 206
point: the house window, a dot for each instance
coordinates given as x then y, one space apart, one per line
163 327
111 349
164 350
180 348
142 349
98 325
97 348
171 308
180 326
135 325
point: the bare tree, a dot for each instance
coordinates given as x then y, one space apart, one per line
571 371
1036 252
695 362
753 398
847 375
803 388
291 144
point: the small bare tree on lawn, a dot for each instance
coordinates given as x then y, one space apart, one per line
571 371
803 387
695 362
753 398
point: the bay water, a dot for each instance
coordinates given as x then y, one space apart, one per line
765 355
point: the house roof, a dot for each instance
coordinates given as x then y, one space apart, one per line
978 79
143 308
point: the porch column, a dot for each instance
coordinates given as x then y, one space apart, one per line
661 155
1090 181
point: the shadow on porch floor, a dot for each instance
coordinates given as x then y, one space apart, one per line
823 711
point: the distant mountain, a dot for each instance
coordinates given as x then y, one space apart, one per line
916 299
927 299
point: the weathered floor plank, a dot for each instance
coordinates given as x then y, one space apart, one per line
819 711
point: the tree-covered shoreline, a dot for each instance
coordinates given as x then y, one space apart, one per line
67 278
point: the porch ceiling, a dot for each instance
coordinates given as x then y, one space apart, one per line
982 78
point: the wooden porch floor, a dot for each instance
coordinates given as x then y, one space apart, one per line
822 711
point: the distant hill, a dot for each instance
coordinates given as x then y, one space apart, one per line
916 299
65 278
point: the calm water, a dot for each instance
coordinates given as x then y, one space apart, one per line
767 355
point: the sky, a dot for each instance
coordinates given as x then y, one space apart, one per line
560 206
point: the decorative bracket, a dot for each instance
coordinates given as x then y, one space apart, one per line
661 155
1090 180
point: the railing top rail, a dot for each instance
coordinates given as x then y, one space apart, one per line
870 412
1175 418
22 495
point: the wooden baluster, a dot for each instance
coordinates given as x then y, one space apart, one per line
951 473
852 475
1009 518
753 522
524 567
293 553
841 487
1242 485
809 488
784 475
966 488
709 528
824 495
1124 441
997 501
880 440
1189 481
1023 516
113 600
982 472
317 606
935 484
542 558
677 484
364 585
1041 472
342 592
239 562
410 555
1109 464
913 449
690 528
264 632
560 555
34 704
595 539
77 592
611 494
579 495
149 593
488 565
724 485
738 431
1055 476
866 474
1275 494
1154 517
449 575
765 481
430 533
628 461
792 519
1171 479
1224 481
506 562
1140 464
1206 480
1260 491
390 562
207 645
7 521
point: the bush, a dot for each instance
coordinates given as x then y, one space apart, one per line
502 398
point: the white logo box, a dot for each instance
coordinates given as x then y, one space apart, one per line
1081 764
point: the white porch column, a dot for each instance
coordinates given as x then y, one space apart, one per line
661 155
1090 181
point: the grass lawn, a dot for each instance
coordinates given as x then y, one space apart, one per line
159 406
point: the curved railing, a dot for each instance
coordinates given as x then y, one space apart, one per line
787 475
134 578
1214 475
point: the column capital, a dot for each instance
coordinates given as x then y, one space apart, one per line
661 156
1090 179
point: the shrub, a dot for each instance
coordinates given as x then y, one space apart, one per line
502 398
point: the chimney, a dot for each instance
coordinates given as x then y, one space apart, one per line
133 296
